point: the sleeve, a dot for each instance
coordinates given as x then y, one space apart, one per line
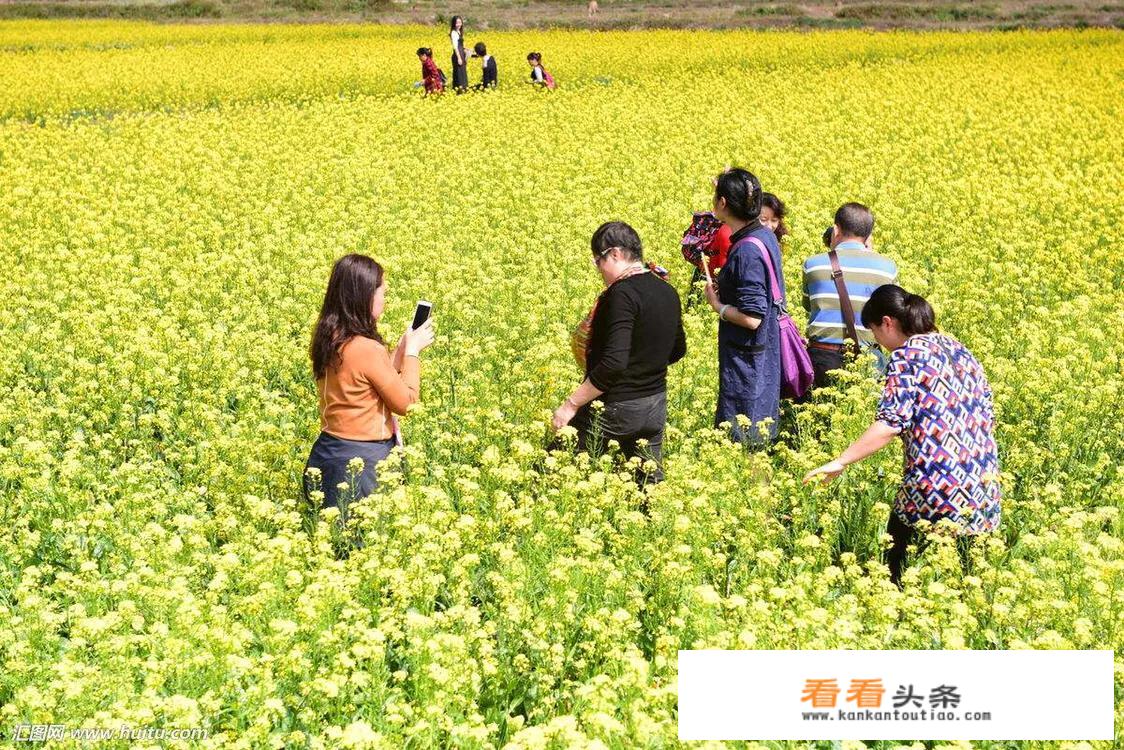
806 287
618 313
987 397
679 350
751 292
898 404
396 389
720 247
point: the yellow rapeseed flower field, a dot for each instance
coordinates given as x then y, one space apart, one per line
171 201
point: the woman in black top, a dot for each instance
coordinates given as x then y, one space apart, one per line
637 333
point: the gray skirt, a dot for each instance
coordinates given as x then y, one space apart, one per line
331 454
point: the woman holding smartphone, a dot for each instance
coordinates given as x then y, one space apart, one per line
360 382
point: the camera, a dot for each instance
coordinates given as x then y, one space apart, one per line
827 236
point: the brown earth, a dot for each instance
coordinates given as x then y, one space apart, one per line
612 14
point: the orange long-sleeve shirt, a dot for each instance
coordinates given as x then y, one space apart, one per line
358 397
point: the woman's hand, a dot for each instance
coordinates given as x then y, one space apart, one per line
828 472
712 296
563 414
419 338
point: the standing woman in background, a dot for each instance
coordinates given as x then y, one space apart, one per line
938 400
361 384
460 61
749 347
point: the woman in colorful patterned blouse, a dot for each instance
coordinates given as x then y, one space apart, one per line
938 399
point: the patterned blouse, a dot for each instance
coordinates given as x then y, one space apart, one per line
938 398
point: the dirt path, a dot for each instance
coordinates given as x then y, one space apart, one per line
612 14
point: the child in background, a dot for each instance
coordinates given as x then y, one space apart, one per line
539 74
432 77
487 67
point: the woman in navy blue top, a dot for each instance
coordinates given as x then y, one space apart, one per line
749 353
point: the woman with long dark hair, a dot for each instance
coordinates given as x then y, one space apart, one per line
749 348
361 384
460 59
938 399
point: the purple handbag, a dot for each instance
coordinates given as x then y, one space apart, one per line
796 366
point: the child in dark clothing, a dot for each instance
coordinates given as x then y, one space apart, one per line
487 67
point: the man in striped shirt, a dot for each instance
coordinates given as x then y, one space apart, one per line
863 271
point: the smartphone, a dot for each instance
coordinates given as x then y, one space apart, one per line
421 314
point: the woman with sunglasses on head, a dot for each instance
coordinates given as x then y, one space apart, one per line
636 333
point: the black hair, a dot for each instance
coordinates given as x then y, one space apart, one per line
776 205
912 312
453 23
854 220
536 56
425 51
618 235
480 49
742 191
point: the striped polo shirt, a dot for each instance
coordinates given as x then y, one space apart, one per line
863 272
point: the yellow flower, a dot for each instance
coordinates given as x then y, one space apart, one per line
360 734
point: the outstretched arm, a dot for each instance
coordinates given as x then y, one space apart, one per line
876 437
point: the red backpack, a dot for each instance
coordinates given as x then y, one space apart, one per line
548 79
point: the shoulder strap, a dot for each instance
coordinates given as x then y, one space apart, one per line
844 299
772 272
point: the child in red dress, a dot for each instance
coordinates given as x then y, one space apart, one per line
432 78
